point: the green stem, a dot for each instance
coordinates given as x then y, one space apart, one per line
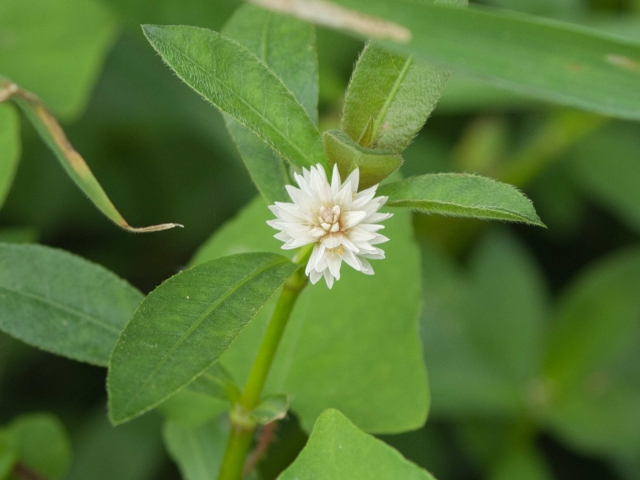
242 425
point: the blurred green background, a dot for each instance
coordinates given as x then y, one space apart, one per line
531 336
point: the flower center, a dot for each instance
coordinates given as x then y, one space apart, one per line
329 218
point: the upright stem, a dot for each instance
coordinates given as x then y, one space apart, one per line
242 425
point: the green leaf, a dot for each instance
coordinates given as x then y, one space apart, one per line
198 451
547 59
287 47
55 49
360 337
183 326
374 165
606 167
338 449
9 148
483 330
237 82
129 452
271 408
41 443
393 94
596 318
75 166
593 363
216 382
61 303
192 408
462 195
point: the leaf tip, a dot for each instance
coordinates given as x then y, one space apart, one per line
152 228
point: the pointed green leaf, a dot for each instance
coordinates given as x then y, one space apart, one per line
233 79
361 337
544 58
72 162
392 93
198 450
338 449
374 165
287 47
271 408
61 303
462 195
55 49
9 148
183 326
41 443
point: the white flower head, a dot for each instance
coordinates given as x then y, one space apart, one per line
340 222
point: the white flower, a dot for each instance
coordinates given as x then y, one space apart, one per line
341 222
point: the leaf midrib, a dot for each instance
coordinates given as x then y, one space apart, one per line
287 140
417 203
47 301
390 98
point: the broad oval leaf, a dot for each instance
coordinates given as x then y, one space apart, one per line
338 449
543 58
462 195
361 337
9 148
184 325
389 99
56 48
287 47
62 303
237 82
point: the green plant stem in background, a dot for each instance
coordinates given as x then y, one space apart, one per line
242 424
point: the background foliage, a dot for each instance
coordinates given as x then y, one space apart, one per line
530 336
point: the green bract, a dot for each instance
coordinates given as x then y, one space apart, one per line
389 98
